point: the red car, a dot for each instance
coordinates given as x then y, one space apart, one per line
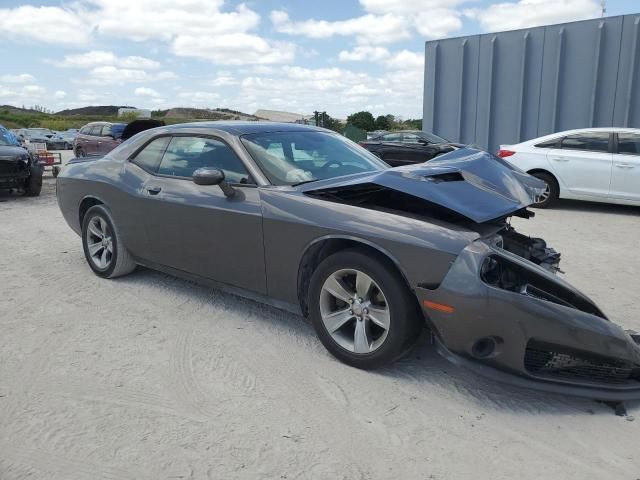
98 138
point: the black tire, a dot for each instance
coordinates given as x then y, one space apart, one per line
80 153
120 262
554 190
33 185
406 321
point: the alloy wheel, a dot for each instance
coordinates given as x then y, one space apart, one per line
99 242
354 311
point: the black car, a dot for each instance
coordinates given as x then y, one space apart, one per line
408 146
19 170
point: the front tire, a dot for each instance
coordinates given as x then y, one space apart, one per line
103 248
551 194
33 185
362 310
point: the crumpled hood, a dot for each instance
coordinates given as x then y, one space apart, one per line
470 182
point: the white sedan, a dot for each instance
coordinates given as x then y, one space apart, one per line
596 164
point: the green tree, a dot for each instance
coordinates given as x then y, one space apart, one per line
332 123
363 120
383 123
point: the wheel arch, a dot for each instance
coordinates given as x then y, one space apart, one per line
86 203
546 172
320 248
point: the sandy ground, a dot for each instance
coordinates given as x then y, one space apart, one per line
151 377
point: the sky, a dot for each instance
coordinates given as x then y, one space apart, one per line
338 56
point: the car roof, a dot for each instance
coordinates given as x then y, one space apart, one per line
578 130
239 127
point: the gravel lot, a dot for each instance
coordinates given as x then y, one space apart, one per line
151 377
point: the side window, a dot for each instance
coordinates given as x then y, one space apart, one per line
184 155
391 137
149 157
411 138
95 130
629 144
106 131
553 143
591 142
84 130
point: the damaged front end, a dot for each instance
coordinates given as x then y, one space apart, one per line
501 310
515 321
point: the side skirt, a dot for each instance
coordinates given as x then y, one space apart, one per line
224 287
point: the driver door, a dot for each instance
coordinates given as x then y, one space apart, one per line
196 228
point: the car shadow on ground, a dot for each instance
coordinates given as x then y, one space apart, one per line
594 207
422 367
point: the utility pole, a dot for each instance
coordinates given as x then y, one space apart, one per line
603 5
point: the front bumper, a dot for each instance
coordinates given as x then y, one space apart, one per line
520 339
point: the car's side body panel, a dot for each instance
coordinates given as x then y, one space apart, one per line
292 223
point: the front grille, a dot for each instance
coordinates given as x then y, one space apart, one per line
8 168
554 361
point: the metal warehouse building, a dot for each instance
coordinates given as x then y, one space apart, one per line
512 86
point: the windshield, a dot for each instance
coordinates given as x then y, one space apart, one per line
7 138
432 137
289 158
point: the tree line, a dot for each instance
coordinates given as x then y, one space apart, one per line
367 122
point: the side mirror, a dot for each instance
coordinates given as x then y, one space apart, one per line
213 176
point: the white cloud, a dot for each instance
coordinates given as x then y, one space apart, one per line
21 78
43 24
110 75
406 60
363 52
371 29
437 23
198 98
407 7
22 94
96 58
145 92
532 13
233 49
59 94
182 24
223 79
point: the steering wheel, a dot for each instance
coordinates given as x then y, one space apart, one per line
326 166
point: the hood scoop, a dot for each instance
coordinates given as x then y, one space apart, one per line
469 182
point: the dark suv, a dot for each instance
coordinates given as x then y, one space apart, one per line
98 138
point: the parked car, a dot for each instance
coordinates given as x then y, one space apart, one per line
301 218
68 137
19 170
408 146
596 164
99 138
42 135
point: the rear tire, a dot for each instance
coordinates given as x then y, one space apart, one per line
103 248
552 193
352 330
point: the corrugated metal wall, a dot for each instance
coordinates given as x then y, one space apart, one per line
512 86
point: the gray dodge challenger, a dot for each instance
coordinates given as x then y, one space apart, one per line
306 220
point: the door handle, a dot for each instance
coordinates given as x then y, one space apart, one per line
154 190
560 159
624 165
